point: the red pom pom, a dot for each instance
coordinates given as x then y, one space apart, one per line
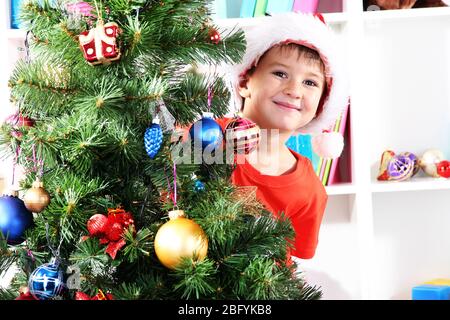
214 36
97 224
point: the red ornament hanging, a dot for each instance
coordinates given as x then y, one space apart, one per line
17 121
99 44
242 135
96 225
214 36
109 229
165 196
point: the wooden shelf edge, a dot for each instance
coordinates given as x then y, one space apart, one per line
414 184
341 189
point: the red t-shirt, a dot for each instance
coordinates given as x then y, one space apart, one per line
299 194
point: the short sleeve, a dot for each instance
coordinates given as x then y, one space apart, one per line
307 221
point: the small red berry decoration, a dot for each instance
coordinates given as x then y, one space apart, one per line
214 36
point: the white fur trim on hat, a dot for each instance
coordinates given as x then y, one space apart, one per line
307 30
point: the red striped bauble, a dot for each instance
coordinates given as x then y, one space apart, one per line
242 135
97 224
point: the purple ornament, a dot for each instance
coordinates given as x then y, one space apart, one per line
400 167
415 161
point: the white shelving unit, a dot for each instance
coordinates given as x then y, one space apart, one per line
378 239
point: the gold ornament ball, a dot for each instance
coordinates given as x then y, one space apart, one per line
429 160
36 199
180 238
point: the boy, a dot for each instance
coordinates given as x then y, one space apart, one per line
288 82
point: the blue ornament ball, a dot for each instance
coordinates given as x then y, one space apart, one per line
207 133
153 139
14 219
47 281
199 186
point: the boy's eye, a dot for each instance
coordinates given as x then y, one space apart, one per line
310 83
280 74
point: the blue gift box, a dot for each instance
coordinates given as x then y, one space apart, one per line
431 292
15 12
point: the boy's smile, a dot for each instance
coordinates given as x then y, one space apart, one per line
288 106
284 90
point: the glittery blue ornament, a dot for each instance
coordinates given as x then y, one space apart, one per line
199 186
47 281
206 132
153 138
14 219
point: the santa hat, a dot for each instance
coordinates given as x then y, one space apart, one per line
310 31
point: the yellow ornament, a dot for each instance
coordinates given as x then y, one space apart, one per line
36 199
429 160
180 238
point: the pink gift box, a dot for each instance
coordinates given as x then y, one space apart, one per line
306 6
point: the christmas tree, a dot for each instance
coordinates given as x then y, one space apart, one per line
104 101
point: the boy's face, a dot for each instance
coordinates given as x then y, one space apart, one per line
284 90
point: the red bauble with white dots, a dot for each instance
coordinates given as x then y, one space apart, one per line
242 135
